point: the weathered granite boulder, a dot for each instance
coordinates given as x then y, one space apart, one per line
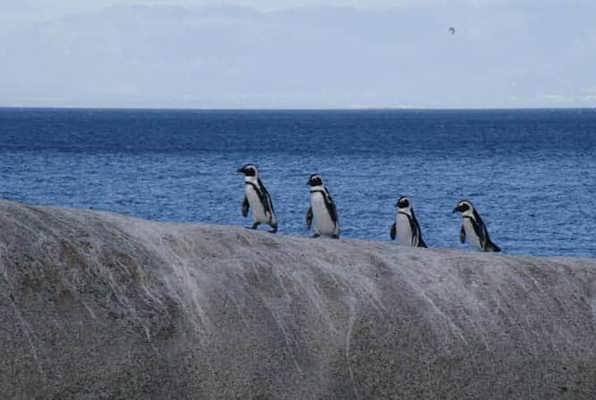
100 306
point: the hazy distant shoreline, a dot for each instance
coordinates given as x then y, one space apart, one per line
504 54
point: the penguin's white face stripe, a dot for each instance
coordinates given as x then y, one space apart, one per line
315 180
252 167
317 177
404 205
469 212
465 202
403 202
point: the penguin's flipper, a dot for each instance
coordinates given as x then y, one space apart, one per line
480 229
487 243
393 231
331 208
415 226
309 217
462 235
265 197
245 207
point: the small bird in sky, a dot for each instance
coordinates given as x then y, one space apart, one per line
452 30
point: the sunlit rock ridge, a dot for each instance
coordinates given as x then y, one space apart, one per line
101 306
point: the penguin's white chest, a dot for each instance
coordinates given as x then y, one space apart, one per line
404 230
258 210
471 236
322 222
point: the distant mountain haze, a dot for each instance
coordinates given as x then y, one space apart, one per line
502 54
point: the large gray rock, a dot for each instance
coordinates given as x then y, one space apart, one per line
100 306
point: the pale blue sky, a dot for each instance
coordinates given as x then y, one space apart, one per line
298 54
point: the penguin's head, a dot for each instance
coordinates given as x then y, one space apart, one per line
464 206
249 170
403 203
315 180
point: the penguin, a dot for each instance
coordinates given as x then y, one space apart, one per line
474 228
257 198
322 213
406 226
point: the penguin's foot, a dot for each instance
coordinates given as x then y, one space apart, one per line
274 230
492 249
316 236
335 237
255 225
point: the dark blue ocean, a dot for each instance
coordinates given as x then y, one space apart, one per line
530 173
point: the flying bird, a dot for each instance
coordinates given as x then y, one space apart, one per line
452 30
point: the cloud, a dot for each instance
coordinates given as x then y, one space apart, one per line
230 56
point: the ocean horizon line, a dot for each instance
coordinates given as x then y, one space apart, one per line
295 109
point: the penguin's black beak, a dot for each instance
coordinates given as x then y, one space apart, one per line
240 170
456 209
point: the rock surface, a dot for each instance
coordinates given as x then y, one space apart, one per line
101 306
